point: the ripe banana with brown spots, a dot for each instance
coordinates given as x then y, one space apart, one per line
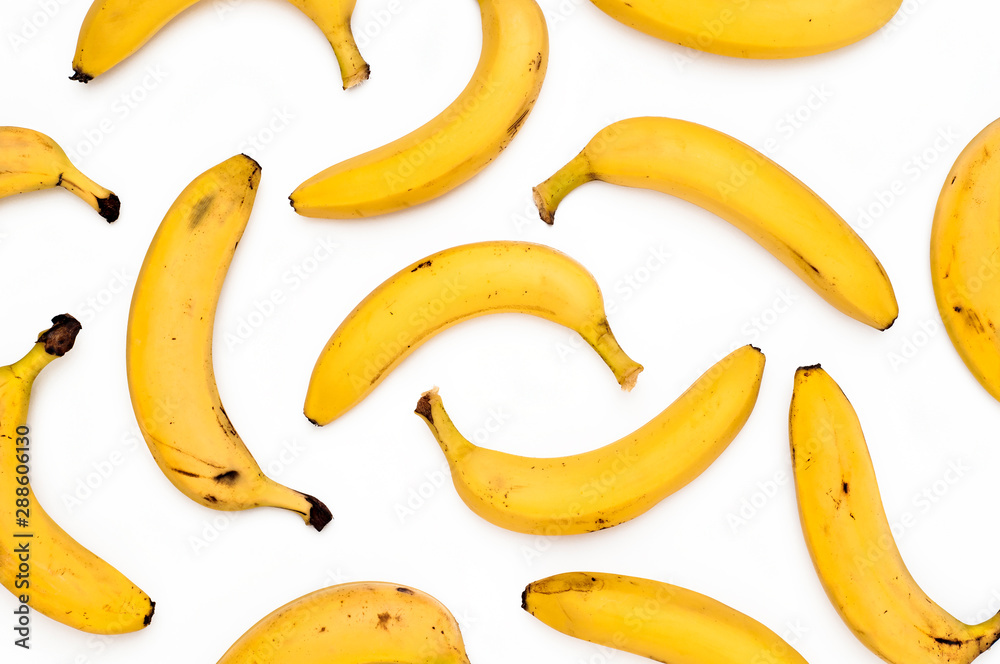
169 349
39 562
354 623
851 542
965 257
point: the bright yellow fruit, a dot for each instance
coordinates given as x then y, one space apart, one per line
169 349
354 623
455 145
65 581
445 289
965 257
754 28
618 482
652 619
30 161
731 179
115 29
851 543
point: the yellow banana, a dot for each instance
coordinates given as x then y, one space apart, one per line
618 482
748 29
115 29
744 187
447 288
850 540
455 145
42 565
30 161
965 257
653 619
354 623
169 349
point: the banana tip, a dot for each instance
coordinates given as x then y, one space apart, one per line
357 77
547 215
319 515
524 598
149 616
81 76
423 408
59 338
811 367
109 207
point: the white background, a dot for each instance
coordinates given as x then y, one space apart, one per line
228 75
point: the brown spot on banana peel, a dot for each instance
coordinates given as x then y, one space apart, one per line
424 264
184 472
383 621
405 591
59 338
513 129
228 478
200 209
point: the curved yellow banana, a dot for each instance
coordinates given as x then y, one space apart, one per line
744 187
455 145
115 29
965 257
169 349
60 578
30 161
749 29
653 619
850 540
354 623
618 482
447 288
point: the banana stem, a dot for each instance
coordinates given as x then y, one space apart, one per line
312 510
353 68
103 200
626 369
431 409
52 343
550 193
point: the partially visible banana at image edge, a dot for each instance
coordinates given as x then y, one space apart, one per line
354 623
31 161
171 377
115 29
652 619
749 29
457 144
444 289
746 188
618 482
64 581
965 257
850 540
